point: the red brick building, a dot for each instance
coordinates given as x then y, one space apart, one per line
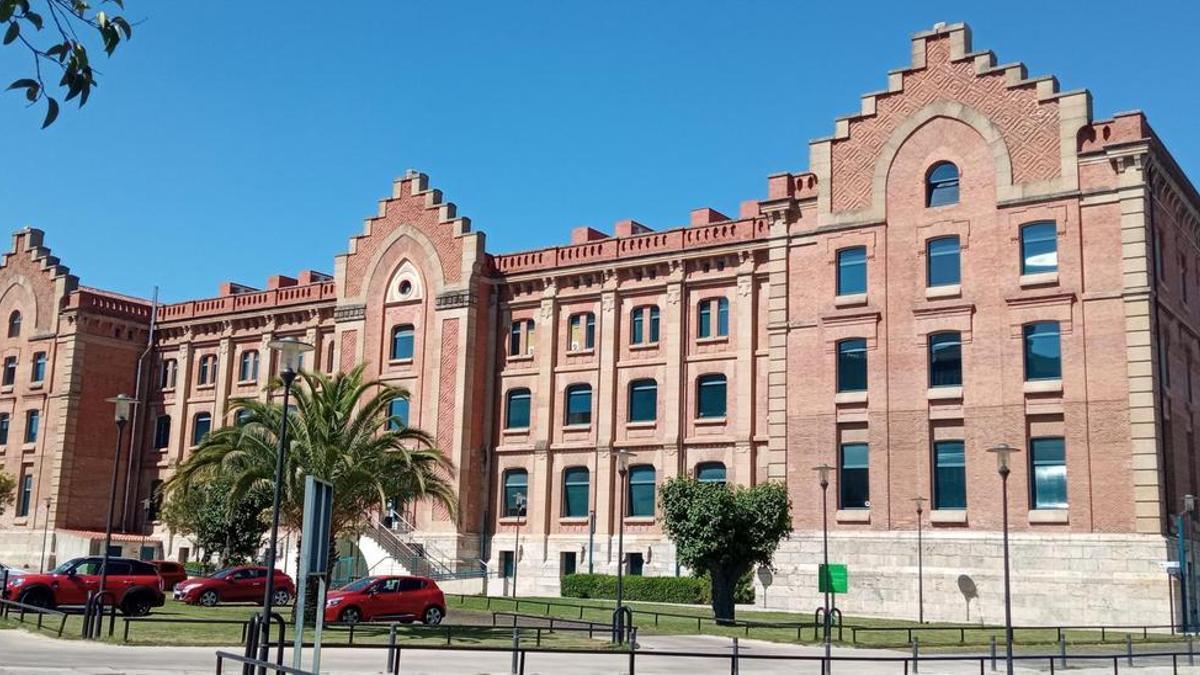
971 259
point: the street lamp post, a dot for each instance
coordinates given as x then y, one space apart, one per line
45 535
1185 607
122 405
619 614
521 502
291 357
823 472
1003 451
920 502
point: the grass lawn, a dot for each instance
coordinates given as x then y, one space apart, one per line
465 627
684 622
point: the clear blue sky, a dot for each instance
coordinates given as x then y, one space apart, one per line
234 140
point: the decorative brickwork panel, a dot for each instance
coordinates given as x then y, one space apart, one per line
348 354
447 396
1030 128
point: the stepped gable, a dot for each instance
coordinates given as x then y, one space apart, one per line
1031 126
412 204
31 266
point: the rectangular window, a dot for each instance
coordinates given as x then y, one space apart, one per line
854 487
567 563
1043 351
33 419
712 318
39 367
949 475
942 262
579 404
582 332
575 492
643 326
25 499
1049 460
637 564
517 413
1039 248
704 327
10 371
162 432
710 396
4 428
506 564
852 271
398 413
520 339
516 492
722 316
641 491
945 360
654 323
643 401
852 365
200 427
636 327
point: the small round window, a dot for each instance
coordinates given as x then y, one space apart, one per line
405 288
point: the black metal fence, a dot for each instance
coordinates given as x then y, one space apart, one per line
11 608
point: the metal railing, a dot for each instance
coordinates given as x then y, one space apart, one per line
422 558
254 664
7 608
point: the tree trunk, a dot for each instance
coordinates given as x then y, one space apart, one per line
723 581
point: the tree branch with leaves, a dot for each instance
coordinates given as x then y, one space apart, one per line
8 490
69 24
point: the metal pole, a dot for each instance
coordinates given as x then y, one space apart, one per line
516 557
45 535
264 650
1183 585
591 540
920 570
316 658
1008 630
108 524
301 601
621 562
828 580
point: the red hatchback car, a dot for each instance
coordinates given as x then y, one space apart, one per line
171 572
372 598
235 584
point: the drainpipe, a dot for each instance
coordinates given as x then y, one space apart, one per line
486 529
137 430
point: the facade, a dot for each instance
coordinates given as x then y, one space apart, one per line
971 259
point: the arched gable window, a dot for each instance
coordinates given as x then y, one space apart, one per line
402 342
941 185
14 324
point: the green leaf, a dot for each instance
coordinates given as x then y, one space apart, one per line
35 19
51 112
7 7
14 29
121 23
58 51
23 83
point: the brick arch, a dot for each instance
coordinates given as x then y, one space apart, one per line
989 131
19 294
383 265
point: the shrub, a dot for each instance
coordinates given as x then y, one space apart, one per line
680 590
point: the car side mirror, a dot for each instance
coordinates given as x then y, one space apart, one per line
71 572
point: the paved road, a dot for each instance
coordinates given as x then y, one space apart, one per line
25 653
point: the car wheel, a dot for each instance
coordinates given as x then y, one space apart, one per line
37 597
139 604
350 615
282 598
433 616
208 599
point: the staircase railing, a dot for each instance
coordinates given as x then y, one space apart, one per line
418 558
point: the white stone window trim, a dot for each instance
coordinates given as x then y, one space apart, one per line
850 397
948 516
944 393
1039 279
711 421
851 300
1043 386
853 515
1049 516
943 291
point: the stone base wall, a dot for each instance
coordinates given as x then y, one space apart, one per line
1057 579
23 548
539 566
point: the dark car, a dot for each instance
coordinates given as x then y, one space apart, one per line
171 572
135 585
235 584
403 598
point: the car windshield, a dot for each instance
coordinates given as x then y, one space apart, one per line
356 586
65 567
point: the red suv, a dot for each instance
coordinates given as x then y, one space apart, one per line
235 584
404 598
135 585
171 572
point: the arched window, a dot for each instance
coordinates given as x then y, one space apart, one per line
582 332
941 185
710 395
579 404
14 324
516 492
643 325
201 425
643 401
575 492
402 342
248 368
710 472
713 318
641 490
516 409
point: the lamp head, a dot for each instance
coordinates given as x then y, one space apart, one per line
823 472
1002 451
520 501
291 353
122 407
1189 503
623 456
920 502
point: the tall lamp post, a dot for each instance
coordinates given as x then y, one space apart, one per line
291 357
1003 451
521 504
1185 608
123 406
45 535
823 472
920 502
623 456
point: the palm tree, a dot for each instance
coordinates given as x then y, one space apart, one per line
340 430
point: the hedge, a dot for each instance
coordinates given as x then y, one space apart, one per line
681 590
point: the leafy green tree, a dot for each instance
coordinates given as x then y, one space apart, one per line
63 47
232 530
725 531
8 489
340 430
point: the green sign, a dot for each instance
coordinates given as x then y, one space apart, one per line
833 579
